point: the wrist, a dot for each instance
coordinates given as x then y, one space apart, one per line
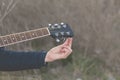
47 58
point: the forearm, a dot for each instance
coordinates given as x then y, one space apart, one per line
13 60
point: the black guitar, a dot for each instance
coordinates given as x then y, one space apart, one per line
57 31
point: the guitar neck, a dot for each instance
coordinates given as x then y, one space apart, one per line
23 36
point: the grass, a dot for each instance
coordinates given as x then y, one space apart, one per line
84 68
75 66
90 67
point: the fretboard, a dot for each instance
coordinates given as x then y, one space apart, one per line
23 36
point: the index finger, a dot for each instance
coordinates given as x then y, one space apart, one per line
68 42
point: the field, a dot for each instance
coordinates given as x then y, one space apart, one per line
96 45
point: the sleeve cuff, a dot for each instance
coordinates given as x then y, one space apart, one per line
2 48
41 58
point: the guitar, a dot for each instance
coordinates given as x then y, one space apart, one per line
57 31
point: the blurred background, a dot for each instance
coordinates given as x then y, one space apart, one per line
96 45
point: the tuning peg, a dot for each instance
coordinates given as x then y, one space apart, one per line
68 33
53 27
49 25
64 39
57 26
63 24
62 33
56 34
57 40
60 39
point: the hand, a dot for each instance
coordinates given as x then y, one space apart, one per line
59 52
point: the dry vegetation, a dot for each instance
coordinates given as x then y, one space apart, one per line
96 46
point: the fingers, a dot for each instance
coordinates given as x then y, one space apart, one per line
65 52
68 42
66 48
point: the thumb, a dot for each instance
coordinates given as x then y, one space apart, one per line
68 42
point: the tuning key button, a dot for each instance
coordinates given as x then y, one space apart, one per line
55 25
57 40
49 25
62 23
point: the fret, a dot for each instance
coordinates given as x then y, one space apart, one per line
28 35
22 36
5 40
1 42
39 32
18 37
45 31
33 34
13 38
9 39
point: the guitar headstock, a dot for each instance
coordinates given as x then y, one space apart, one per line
60 31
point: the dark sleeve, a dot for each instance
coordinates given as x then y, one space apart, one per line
14 60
